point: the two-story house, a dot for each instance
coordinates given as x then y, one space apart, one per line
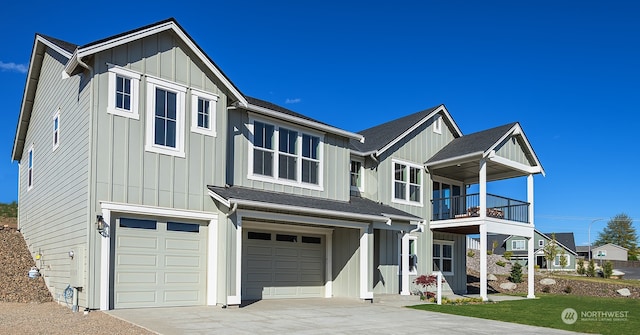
147 178
517 246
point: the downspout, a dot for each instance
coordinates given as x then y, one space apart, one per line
373 156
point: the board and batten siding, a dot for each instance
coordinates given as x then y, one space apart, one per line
53 215
346 262
512 149
336 158
125 171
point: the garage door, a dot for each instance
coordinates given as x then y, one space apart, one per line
159 264
282 265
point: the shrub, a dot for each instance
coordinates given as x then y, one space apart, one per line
507 255
501 263
489 252
567 289
591 269
581 270
516 273
537 267
470 253
546 289
607 269
426 281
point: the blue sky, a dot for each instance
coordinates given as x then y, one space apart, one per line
569 72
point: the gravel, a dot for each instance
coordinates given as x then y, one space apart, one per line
26 305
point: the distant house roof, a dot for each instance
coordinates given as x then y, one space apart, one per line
565 239
609 245
383 136
581 249
356 207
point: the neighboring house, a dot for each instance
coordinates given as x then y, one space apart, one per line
147 178
518 247
583 251
609 252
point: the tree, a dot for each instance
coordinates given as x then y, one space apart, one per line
620 231
516 273
591 269
607 269
550 250
581 270
564 260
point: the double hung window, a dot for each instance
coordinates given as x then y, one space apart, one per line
407 183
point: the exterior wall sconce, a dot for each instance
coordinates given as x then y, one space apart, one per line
101 226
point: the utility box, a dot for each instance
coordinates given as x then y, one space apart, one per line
78 262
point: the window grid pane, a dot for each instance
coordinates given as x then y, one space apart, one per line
166 118
123 93
203 113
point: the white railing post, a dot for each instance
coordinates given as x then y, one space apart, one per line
439 287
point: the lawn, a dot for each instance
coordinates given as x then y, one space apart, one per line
622 315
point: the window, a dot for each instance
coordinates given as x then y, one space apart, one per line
203 113
56 130
138 223
183 227
286 238
541 243
165 118
556 261
437 124
413 257
517 245
123 92
356 174
252 235
407 183
443 257
311 239
285 155
30 169
446 199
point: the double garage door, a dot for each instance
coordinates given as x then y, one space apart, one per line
282 265
159 263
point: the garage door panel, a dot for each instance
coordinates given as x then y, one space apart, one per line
286 264
259 250
256 278
181 297
137 260
286 251
138 242
182 261
182 244
136 298
310 265
182 278
149 278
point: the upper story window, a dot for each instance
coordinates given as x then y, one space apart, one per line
356 174
437 125
56 130
165 117
285 155
30 169
203 113
407 183
541 243
124 88
517 245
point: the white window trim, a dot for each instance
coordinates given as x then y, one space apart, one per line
437 124
30 168
513 245
540 243
56 139
152 84
415 244
453 256
556 260
115 71
275 178
408 188
361 187
213 99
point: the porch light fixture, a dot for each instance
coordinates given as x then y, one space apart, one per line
101 226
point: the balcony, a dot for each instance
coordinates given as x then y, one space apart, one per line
467 206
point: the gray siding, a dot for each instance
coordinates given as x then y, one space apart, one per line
136 176
386 278
458 281
346 262
613 253
512 149
53 215
335 163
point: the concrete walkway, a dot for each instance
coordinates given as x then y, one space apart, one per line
315 316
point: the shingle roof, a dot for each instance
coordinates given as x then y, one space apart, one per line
272 106
379 136
132 31
69 47
472 143
565 239
354 205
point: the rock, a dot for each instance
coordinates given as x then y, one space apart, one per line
492 277
548 281
617 273
508 286
624 292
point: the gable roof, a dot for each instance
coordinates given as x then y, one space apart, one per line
609 245
271 109
482 144
381 137
356 207
565 239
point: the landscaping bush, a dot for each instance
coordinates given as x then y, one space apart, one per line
507 255
516 273
546 289
426 282
581 270
591 269
607 269
470 253
489 252
567 289
501 263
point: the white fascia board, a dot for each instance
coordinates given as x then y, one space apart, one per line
51 45
440 109
112 43
454 160
517 130
514 165
304 122
220 199
412 220
157 211
312 211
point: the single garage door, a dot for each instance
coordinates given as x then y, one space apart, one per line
282 265
159 264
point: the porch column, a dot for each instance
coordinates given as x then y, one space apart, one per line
236 299
483 262
482 183
366 241
404 259
530 271
530 197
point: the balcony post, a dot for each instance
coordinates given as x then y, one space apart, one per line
483 189
530 271
530 197
483 261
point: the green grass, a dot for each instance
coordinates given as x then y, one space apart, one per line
9 210
546 311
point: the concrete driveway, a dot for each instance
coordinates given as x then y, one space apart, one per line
315 316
